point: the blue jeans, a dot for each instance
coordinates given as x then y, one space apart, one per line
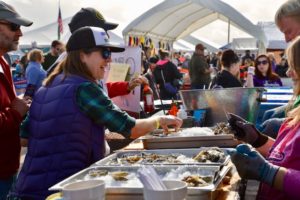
5 186
200 86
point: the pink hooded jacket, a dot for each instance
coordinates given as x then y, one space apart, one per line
285 152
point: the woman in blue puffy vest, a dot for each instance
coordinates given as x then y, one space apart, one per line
68 116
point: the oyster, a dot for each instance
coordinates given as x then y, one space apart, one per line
146 158
156 158
98 172
210 155
197 181
120 175
222 128
133 159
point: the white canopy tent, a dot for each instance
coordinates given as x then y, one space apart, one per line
178 45
275 38
209 45
242 44
44 35
175 19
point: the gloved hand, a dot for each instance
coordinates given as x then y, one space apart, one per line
251 165
271 126
246 131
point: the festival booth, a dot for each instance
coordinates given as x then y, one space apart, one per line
157 28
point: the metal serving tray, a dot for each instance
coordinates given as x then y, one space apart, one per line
186 157
133 189
151 141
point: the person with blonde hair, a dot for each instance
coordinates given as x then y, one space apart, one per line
34 74
69 114
276 163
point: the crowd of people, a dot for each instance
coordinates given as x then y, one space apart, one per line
224 69
72 92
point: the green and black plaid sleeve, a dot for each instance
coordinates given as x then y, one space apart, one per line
93 101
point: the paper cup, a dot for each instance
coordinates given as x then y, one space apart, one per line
251 70
87 190
177 190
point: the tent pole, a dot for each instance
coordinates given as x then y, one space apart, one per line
228 34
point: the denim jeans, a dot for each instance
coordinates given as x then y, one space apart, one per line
200 86
5 186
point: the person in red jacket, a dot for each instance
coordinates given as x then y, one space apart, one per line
12 108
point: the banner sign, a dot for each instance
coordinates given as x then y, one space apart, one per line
130 58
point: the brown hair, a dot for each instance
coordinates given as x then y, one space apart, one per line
35 55
270 75
55 43
72 65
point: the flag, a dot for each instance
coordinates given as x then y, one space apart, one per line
60 28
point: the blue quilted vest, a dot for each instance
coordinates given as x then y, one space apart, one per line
63 140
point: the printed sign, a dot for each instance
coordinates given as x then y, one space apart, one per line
131 58
117 72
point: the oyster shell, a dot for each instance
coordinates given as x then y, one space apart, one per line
212 154
197 181
222 128
120 175
97 172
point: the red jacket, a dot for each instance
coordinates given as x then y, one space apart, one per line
117 88
10 121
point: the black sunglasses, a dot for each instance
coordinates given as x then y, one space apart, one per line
12 26
106 53
264 62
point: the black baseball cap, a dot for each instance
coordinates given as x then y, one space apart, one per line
153 60
91 37
8 13
90 17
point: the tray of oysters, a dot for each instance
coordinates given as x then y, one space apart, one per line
123 180
220 135
200 156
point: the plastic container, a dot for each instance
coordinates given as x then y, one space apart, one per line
176 190
87 190
182 113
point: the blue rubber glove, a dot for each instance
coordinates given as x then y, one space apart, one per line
271 126
245 131
251 165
